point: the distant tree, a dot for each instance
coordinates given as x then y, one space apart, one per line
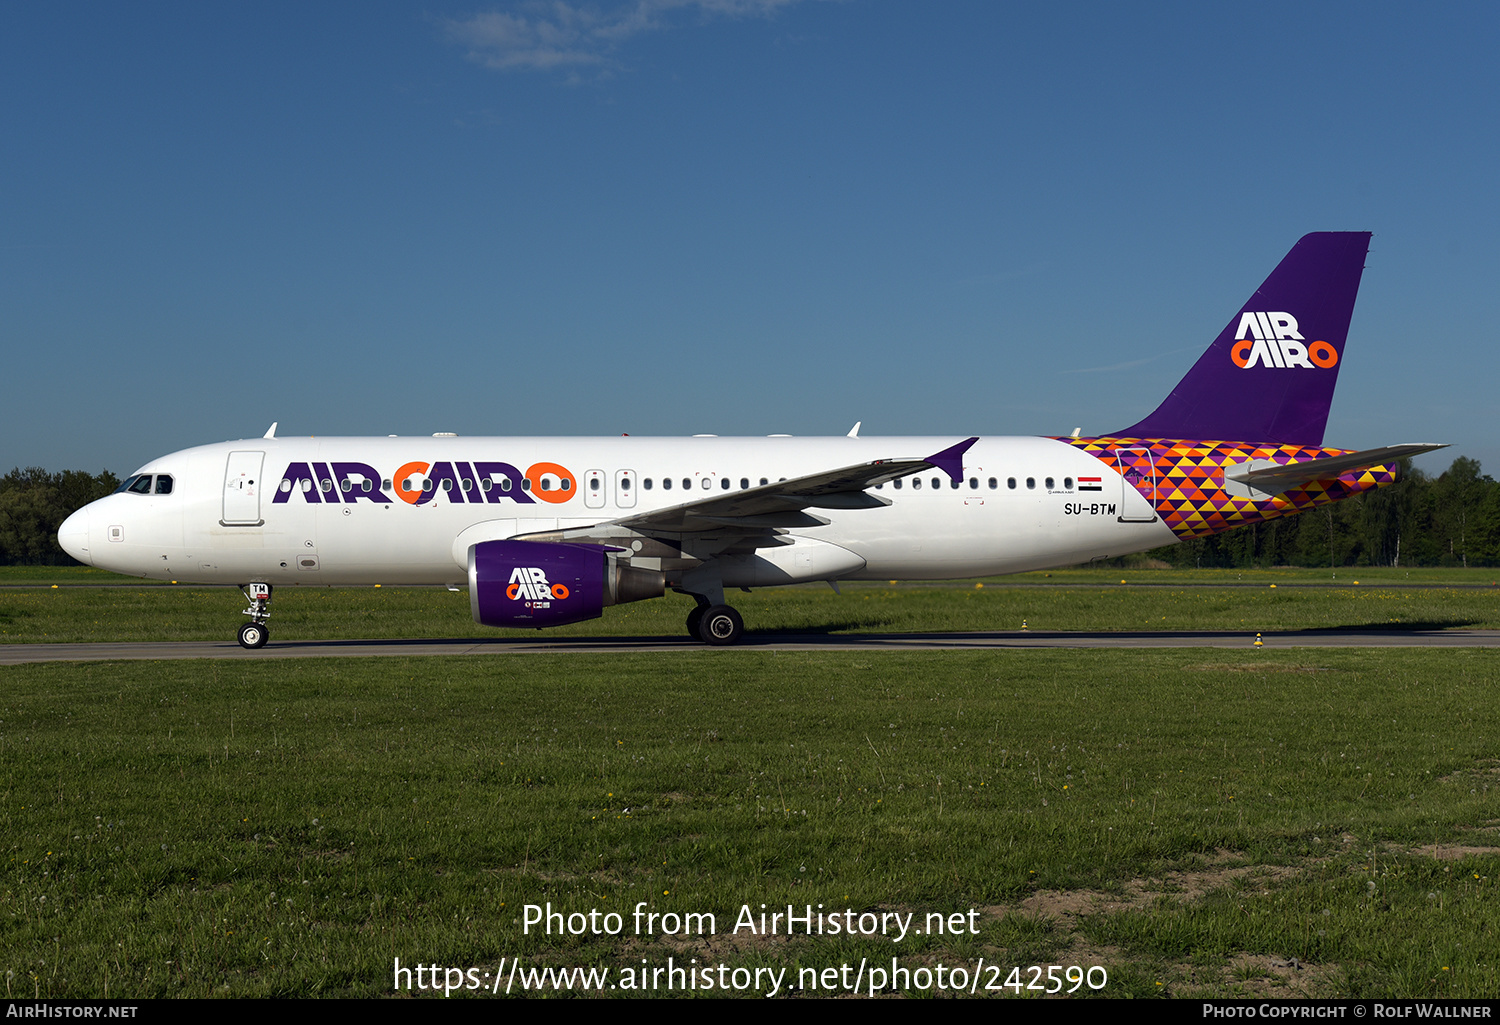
1458 500
33 504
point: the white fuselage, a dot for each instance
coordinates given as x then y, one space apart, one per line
240 511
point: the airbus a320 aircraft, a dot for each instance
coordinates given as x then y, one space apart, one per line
547 531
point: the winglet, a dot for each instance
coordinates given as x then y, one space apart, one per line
951 459
271 433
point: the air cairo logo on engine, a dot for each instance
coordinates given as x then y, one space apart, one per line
1271 340
530 583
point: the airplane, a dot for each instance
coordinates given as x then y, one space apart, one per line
549 531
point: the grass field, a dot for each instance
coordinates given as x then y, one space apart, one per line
1080 602
1257 823
1192 823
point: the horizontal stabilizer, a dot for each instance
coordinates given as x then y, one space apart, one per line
1278 477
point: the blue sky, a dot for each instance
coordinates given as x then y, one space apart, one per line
722 216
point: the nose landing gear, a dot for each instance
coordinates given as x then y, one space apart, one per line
254 634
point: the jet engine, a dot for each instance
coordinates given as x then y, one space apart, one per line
539 584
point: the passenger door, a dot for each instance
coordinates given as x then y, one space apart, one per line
242 488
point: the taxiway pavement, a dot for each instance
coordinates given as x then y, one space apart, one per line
16 654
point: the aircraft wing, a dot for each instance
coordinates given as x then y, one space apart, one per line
753 517
782 503
1281 476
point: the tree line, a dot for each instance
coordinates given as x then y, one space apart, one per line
33 504
1452 519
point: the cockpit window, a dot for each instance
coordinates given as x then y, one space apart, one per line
140 484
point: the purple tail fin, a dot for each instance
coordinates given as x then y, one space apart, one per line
1269 376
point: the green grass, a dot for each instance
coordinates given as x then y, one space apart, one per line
44 576
263 828
186 613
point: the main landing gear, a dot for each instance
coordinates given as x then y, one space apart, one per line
712 622
715 624
254 634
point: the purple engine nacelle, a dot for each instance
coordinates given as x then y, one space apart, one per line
543 583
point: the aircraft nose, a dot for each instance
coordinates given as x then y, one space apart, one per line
73 535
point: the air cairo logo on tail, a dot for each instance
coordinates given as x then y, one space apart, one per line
530 583
1272 340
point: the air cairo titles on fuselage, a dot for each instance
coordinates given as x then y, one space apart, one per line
418 483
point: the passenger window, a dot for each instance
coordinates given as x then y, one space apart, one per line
1031 483
525 483
427 485
565 485
916 482
744 483
307 485
973 483
955 483
447 484
936 483
724 485
1068 483
285 485
468 485
327 486
385 485
593 483
666 483
504 483
647 482
687 482
896 483
1049 483
995 483
1010 482
624 483
764 482
487 484
344 485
